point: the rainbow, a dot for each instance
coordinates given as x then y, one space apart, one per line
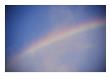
58 36
55 37
61 35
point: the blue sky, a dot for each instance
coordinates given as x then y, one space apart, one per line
27 24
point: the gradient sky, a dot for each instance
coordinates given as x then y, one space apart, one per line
55 38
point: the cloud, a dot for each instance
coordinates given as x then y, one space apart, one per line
64 48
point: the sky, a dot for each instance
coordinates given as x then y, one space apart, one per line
55 38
